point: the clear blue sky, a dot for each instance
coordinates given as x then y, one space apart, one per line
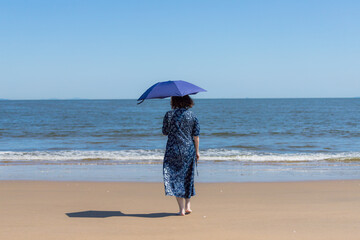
234 49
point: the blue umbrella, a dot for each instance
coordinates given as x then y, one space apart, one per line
169 89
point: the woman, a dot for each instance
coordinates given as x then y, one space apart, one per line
182 151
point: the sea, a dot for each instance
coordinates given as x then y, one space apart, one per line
241 140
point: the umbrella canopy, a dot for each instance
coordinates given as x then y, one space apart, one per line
169 89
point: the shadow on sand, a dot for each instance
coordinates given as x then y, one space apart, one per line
105 214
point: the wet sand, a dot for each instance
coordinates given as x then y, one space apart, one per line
121 210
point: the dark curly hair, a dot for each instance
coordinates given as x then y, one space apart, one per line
182 102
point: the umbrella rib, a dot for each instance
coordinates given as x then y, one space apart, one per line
180 93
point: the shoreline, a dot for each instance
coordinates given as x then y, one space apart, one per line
157 182
208 172
140 210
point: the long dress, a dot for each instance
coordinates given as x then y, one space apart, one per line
180 125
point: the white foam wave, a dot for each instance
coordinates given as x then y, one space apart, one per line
75 155
236 155
157 156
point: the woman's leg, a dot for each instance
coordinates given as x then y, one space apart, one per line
187 205
180 202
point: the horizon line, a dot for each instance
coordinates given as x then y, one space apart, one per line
135 99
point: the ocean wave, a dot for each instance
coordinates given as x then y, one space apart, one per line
244 147
71 134
232 134
141 133
141 156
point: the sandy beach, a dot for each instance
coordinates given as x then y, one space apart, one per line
122 210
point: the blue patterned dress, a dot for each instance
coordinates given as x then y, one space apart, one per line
180 125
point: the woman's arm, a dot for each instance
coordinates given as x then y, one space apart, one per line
165 127
196 142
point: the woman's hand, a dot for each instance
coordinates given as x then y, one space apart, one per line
196 143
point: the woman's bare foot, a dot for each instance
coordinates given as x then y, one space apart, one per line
182 213
187 206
